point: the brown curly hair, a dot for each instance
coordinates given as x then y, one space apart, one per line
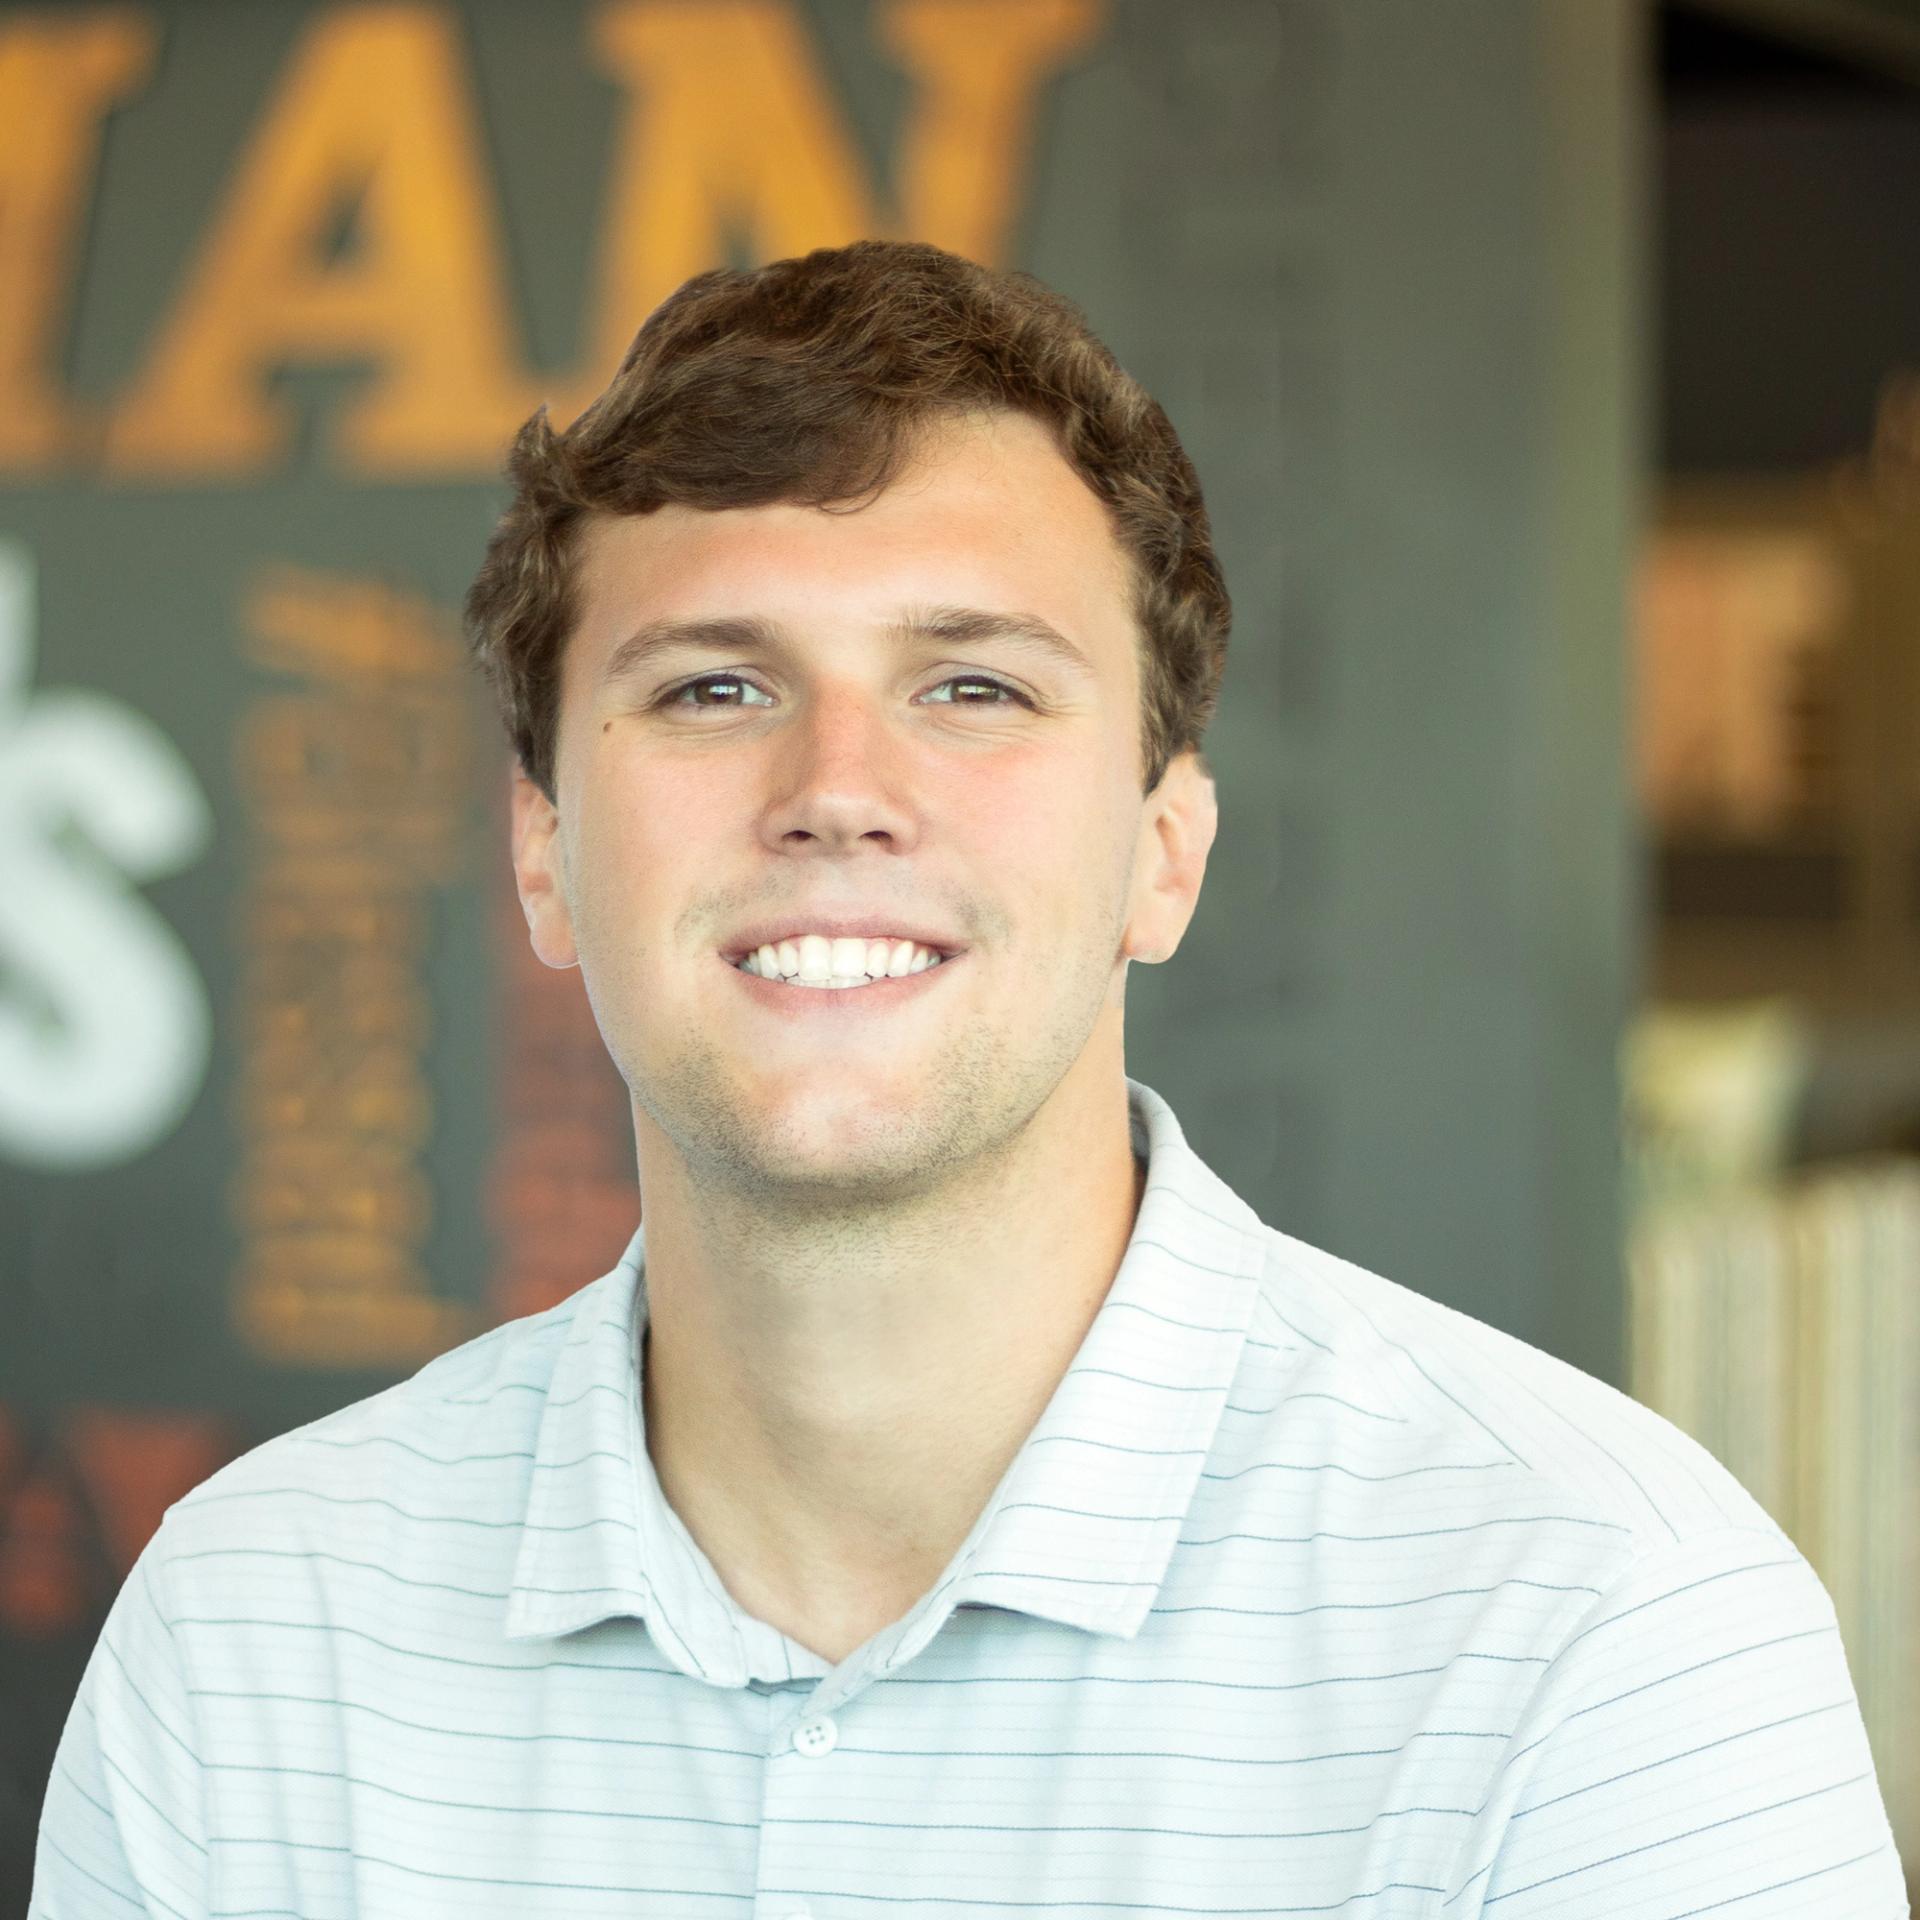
805 381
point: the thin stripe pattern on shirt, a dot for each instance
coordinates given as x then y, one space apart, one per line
1305 1597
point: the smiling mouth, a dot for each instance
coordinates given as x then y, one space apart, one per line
838 964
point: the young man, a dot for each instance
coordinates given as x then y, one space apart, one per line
956 1501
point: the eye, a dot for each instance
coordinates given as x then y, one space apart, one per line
738 692
672 697
983 680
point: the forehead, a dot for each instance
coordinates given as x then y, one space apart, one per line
986 513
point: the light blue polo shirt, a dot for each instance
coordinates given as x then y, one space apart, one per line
1305 1596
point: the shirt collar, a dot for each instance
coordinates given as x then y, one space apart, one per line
1080 1529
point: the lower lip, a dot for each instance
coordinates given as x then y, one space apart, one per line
838 1002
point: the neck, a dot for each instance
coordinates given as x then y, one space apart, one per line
830 1404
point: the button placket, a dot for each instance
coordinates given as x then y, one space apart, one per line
795 1797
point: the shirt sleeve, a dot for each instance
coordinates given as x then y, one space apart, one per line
122 1828
1695 1747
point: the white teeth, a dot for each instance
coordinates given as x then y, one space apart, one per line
814 960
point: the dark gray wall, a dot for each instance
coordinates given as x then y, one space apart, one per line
1397 1028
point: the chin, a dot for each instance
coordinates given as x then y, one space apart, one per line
831 1117
846 1119
832 1172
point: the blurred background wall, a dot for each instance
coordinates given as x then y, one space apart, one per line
1550 368
1772 1076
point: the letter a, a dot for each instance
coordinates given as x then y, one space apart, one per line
373 111
58 78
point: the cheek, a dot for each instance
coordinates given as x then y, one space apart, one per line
638 840
1054 847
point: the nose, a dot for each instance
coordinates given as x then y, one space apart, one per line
842 777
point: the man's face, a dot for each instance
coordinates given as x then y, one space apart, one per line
870 744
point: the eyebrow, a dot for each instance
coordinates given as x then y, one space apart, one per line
953 626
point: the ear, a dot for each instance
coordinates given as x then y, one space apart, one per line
1177 826
539 873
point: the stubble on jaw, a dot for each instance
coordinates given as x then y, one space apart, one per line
969 1117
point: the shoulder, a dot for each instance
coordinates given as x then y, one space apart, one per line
1451 1387
454 1440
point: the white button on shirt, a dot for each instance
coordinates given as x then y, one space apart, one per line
1305 1596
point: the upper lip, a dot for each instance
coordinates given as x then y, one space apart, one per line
869 926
